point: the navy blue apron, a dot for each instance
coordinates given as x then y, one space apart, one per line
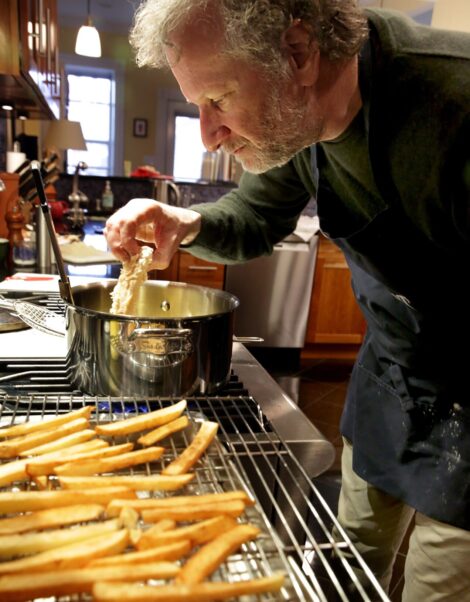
407 411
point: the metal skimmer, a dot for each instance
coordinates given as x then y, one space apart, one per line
295 519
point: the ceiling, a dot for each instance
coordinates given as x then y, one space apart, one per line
116 15
107 15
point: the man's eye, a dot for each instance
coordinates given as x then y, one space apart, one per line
218 103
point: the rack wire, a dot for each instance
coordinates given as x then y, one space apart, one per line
296 521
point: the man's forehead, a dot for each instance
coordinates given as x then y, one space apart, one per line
200 36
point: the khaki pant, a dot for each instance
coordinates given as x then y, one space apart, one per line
437 565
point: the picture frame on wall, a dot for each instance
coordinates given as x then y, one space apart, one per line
140 127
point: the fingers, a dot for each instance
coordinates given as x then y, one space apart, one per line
122 228
148 221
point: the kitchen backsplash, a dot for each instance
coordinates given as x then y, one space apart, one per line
125 189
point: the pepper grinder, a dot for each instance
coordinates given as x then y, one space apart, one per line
15 222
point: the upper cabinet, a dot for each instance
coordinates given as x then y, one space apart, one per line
29 56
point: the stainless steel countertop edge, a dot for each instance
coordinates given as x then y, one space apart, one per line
309 445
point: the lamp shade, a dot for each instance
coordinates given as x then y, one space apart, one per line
88 41
64 134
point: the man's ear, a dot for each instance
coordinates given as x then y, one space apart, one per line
302 52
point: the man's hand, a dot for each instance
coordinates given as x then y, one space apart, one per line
148 221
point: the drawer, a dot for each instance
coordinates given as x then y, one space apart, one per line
198 271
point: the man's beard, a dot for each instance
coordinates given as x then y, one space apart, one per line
281 132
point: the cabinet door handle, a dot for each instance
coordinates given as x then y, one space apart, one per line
202 268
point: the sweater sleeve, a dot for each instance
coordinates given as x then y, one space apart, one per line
249 220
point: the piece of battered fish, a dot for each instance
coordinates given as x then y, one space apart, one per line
132 277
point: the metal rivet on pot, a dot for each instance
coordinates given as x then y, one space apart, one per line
165 306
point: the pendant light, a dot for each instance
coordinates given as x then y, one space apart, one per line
88 39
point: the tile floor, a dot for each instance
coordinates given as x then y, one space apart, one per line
319 388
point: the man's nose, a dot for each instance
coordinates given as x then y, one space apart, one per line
213 131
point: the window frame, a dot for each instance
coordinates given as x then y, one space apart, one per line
103 67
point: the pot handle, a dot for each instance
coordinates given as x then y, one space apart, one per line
170 345
247 339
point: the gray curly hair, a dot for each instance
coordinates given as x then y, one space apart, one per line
253 28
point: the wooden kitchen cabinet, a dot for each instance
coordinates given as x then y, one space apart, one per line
198 271
186 268
29 56
335 326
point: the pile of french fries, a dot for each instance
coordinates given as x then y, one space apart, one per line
79 528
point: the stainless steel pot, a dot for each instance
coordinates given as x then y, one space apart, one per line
179 340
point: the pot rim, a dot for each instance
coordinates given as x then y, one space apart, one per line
109 283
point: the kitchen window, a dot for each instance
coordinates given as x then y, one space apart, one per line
105 154
91 100
187 158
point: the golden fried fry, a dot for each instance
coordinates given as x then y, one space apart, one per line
22 587
16 470
172 551
70 557
60 444
197 533
194 451
136 482
143 421
13 447
12 471
45 425
164 431
25 544
197 512
54 517
180 592
210 556
26 501
90 467
45 465
189 501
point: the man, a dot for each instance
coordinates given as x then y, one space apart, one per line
368 113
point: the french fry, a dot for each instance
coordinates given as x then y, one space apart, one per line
197 512
16 470
143 421
172 551
210 556
180 592
45 425
42 483
188 501
136 482
164 431
60 444
128 518
194 451
24 544
22 587
197 533
70 557
54 517
44 465
26 501
12 471
90 467
13 447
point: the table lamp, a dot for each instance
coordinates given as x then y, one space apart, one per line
65 135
